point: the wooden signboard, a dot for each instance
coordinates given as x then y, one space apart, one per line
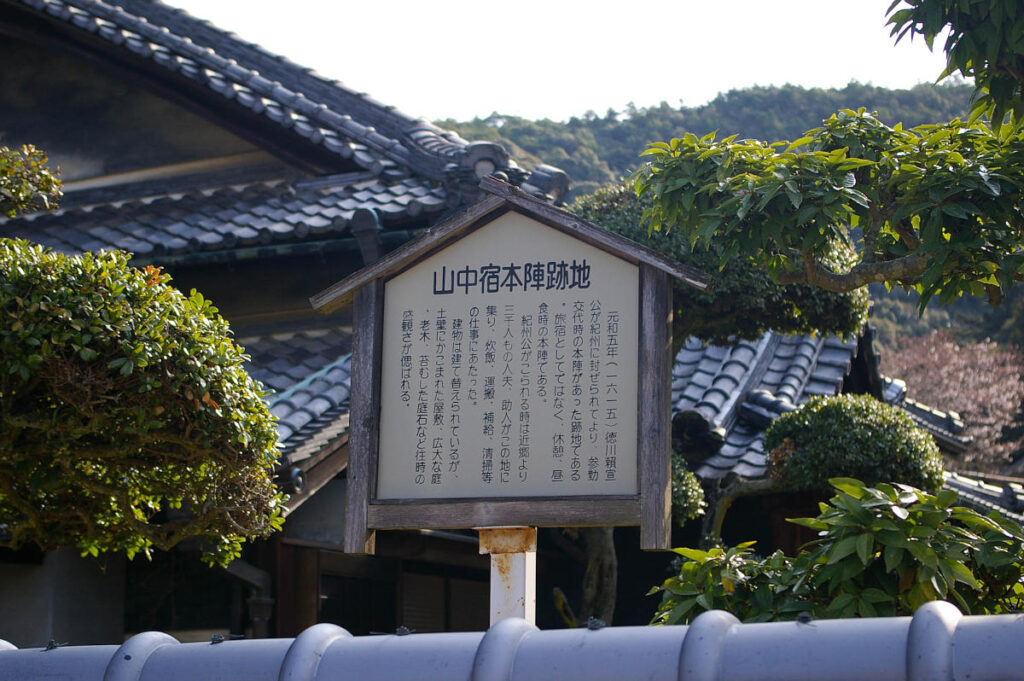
511 367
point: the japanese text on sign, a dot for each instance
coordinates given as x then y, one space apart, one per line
553 275
531 394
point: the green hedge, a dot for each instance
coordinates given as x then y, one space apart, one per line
688 499
853 436
880 551
127 420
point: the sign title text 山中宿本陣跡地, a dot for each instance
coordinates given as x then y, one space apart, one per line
553 275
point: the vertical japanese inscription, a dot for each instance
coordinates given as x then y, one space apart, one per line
509 369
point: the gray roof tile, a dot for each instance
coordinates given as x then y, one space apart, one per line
780 373
1007 498
296 419
309 373
746 469
219 220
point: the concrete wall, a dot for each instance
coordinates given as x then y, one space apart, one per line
67 598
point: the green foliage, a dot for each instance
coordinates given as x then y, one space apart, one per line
784 112
127 420
734 579
852 436
983 42
882 550
935 207
599 150
25 181
687 493
744 302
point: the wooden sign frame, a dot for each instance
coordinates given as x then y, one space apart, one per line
650 508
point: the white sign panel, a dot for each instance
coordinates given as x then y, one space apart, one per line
509 369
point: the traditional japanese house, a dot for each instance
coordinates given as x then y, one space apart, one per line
260 183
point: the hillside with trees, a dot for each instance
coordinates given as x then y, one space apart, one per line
600 149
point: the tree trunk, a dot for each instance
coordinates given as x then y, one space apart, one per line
599 580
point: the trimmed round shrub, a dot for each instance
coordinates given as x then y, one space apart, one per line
853 436
127 420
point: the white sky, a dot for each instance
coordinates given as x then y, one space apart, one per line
559 58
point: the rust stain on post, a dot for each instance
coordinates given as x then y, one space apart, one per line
503 566
497 540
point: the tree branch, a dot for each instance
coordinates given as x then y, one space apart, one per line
871 232
814 273
908 235
741 487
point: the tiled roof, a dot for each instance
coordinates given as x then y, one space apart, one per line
315 110
410 169
739 390
308 372
983 497
226 218
946 426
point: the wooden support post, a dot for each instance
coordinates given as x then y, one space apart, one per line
654 414
513 552
364 415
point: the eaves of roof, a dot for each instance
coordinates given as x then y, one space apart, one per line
984 497
229 221
945 426
307 373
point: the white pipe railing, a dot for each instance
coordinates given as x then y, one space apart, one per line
936 644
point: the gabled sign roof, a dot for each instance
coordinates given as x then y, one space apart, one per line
502 197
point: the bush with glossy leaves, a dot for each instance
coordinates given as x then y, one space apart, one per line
26 183
127 420
688 499
883 550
